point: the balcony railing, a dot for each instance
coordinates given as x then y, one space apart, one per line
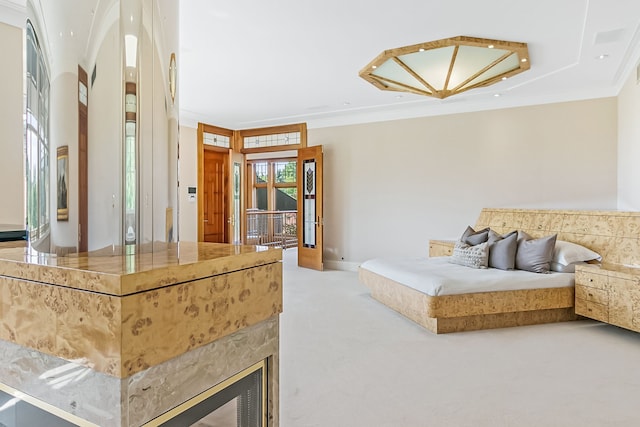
272 228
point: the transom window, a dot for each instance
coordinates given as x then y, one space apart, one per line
275 140
216 140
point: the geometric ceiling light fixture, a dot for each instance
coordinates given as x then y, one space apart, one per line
447 67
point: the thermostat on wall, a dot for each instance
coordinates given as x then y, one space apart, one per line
191 191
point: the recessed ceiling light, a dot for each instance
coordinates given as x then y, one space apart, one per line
504 78
490 46
374 66
602 56
497 95
421 49
523 60
398 96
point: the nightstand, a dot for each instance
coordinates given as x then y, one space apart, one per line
441 247
609 293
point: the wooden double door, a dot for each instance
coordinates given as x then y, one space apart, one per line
220 217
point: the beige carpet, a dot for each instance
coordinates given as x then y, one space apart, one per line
348 361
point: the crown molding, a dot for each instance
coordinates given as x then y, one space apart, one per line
13 12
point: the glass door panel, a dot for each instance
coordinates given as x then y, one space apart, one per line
310 208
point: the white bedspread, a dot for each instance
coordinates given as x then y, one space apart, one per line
436 276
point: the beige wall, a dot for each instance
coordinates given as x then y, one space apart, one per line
11 126
188 177
629 145
390 186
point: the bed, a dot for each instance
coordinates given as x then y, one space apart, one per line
614 235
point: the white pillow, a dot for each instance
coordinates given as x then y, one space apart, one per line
567 253
569 268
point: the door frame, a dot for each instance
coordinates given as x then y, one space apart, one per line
202 128
237 152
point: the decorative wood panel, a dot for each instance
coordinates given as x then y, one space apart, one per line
613 234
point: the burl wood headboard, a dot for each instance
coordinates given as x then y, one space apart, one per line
613 234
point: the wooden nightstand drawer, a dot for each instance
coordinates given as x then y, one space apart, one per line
591 280
592 310
588 293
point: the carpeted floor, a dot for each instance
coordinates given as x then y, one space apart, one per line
349 361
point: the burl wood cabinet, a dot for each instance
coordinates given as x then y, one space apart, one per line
441 247
610 294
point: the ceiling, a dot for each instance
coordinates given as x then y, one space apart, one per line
253 63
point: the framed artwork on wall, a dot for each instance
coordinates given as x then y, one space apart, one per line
62 187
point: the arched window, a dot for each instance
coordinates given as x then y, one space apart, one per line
37 139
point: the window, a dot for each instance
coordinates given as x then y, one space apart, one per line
285 185
272 203
131 199
216 140
277 138
272 185
269 141
260 183
37 139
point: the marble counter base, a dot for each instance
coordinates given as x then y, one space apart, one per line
108 401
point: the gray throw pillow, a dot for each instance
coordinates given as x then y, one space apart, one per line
502 250
534 254
472 237
470 256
